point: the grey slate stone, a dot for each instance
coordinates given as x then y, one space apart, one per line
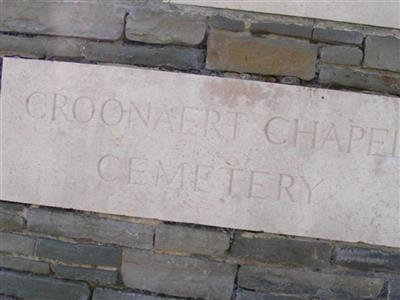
110 294
222 22
299 282
367 258
95 276
90 227
177 275
334 35
342 55
169 56
191 240
394 290
97 20
10 214
282 28
265 248
360 78
382 53
24 264
159 26
251 295
16 243
33 287
78 253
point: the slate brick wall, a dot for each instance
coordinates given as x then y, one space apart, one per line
48 253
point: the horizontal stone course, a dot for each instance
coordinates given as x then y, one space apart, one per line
241 52
11 214
177 275
111 294
299 282
382 53
85 254
33 287
16 243
94 276
90 227
343 55
251 295
24 264
282 28
191 240
222 22
329 33
263 247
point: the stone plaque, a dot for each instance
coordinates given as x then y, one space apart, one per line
197 149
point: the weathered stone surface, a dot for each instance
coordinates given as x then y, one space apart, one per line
16 243
110 294
270 55
24 264
2 297
177 275
11 214
307 283
342 55
222 22
103 21
40 288
367 258
385 82
394 290
283 28
78 253
164 27
251 295
96 276
334 35
169 56
191 240
282 250
40 46
382 53
90 227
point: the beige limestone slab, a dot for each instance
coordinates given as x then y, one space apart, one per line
197 149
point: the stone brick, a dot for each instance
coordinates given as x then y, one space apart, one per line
385 82
110 294
367 258
342 55
24 264
40 46
301 282
95 276
282 28
240 52
90 227
222 22
16 243
33 287
2 297
191 240
177 275
394 290
169 56
251 295
382 53
335 34
86 254
10 214
88 20
282 250
164 27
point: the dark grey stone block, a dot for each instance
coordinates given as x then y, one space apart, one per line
382 53
334 35
16 243
95 276
342 55
282 28
222 22
24 264
251 295
110 294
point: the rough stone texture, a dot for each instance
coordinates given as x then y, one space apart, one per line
385 82
191 240
40 46
307 283
283 28
382 53
169 56
164 27
90 227
78 253
89 20
16 243
367 258
330 34
342 55
2 297
394 290
222 22
94 276
11 214
282 250
40 288
269 56
177 276
24 264
251 295
110 294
